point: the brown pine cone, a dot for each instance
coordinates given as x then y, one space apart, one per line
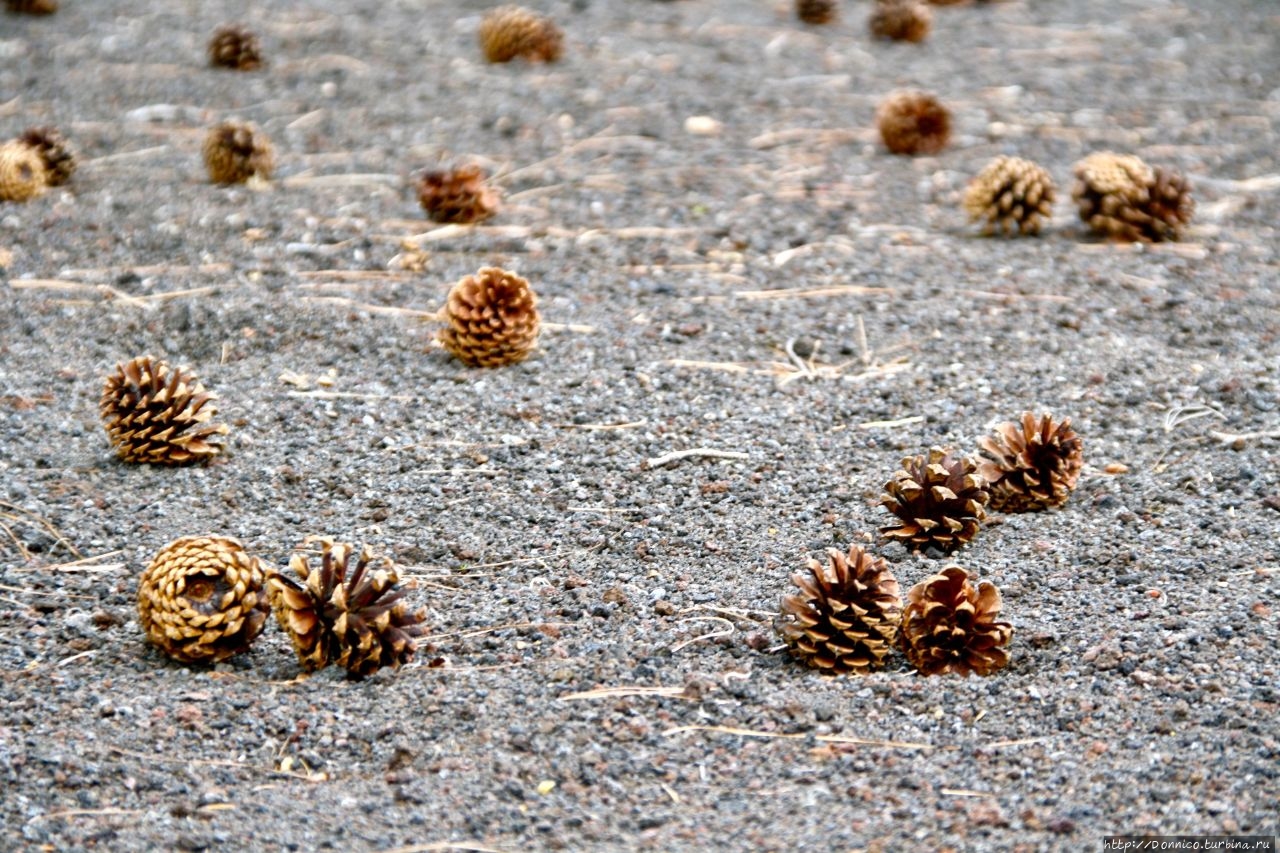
57 154
234 46
816 11
236 151
511 32
1171 205
1121 197
939 500
22 172
202 599
1010 195
1031 465
913 122
900 20
32 7
845 617
457 195
154 413
351 617
949 626
492 319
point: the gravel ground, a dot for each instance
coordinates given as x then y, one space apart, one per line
551 559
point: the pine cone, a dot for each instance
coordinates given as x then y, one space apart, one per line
1010 195
32 7
22 172
1171 205
900 20
1032 465
510 32
493 319
202 599
1121 197
951 626
236 151
457 195
913 122
845 617
156 414
234 46
939 499
55 152
816 11
353 619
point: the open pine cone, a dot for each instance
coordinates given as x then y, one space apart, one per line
202 599
950 626
32 7
1031 465
913 122
939 500
236 151
234 46
1010 195
492 319
511 32
457 195
22 172
816 11
900 20
154 413
1121 197
55 152
845 616
348 616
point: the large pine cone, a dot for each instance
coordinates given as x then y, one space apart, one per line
913 122
816 11
510 32
845 617
457 195
492 319
202 599
900 20
154 413
351 617
1031 465
1119 196
1010 195
236 151
22 172
32 7
234 46
951 626
57 154
939 499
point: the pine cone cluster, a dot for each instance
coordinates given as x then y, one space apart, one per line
913 122
939 499
1031 465
845 616
951 626
900 20
22 172
202 599
55 152
154 413
352 617
457 195
511 32
492 319
236 151
1121 197
1010 195
32 7
816 11
236 47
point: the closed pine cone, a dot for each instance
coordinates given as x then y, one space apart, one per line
913 122
22 172
457 195
951 626
492 319
511 32
154 413
57 154
236 151
816 11
845 616
900 20
202 599
1121 197
234 46
939 500
32 7
1171 205
1010 195
352 617
1031 465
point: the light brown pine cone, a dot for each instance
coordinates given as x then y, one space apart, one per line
939 500
1031 465
913 122
236 151
154 413
951 626
514 32
457 195
900 20
492 319
1010 195
817 11
236 47
22 172
1119 196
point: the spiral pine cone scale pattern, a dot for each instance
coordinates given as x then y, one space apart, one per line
951 626
155 413
492 319
1010 195
22 172
939 500
1121 197
514 32
1031 465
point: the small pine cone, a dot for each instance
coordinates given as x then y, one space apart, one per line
913 122
951 626
350 617
57 154
154 413
22 172
816 11
492 319
236 151
202 599
939 499
845 617
900 20
1010 195
1171 205
511 32
457 195
1121 197
1031 465
32 7
234 46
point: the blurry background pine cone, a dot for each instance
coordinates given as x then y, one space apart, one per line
816 11
900 20
155 413
1010 195
1031 465
845 616
236 151
511 32
951 626
1119 196
55 152
234 46
939 500
913 122
22 172
457 195
492 319
202 599
32 7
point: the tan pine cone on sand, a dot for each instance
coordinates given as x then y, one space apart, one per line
1031 465
951 626
913 122
939 500
32 7
22 172
201 600
817 11
1011 196
1119 196
514 32
492 319
845 616
236 151
457 195
236 47
55 152
900 20
155 413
